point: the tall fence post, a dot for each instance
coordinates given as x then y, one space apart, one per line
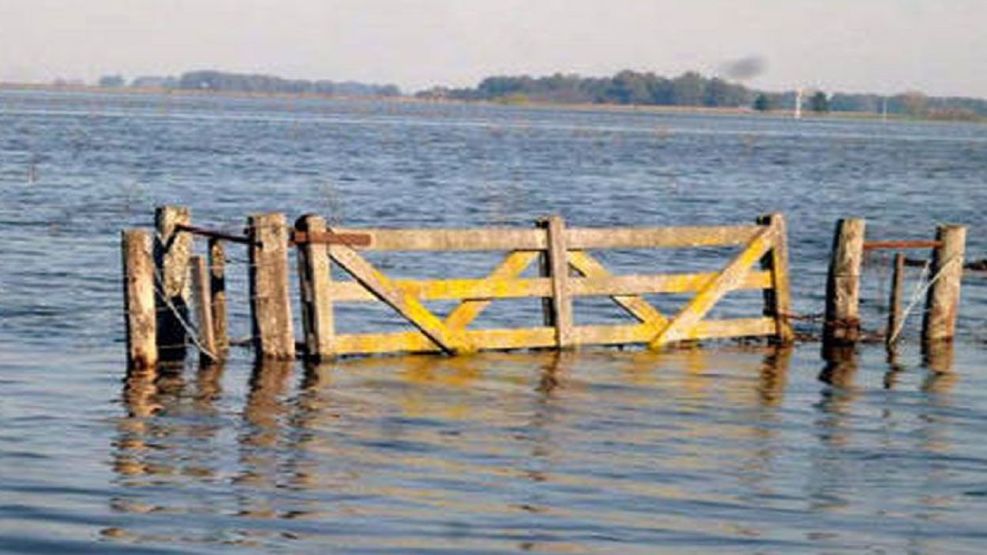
138 299
777 300
558 265
172 250
842 325
202 297
217 292
314 280
270 304
943 300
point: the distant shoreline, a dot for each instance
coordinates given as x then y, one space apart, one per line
530 104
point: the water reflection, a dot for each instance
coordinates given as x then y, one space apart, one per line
505 451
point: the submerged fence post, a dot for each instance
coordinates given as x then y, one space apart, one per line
842 325
203 310
270 304
138 299
777 300
894 301
217 292
558 265
172 250
943 300
314 281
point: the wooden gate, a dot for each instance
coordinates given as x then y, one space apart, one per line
568 270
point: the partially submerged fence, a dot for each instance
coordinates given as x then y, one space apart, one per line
157 300
944 271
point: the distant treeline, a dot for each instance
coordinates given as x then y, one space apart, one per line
692 89
222 81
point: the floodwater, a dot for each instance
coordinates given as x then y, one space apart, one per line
729 448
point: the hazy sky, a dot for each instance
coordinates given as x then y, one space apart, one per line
852 45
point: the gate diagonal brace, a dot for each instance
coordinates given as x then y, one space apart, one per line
450 340
692 313
513 265
635 305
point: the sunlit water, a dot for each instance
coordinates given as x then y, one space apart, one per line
729 448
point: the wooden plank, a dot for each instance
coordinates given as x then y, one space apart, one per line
450 340
544 337
659 237
943 299
497 239
842 324
777 297
474 291
631 285
270 302
706 329
739 327
481 290
507 239
203 309
498 283
315 289
731 275
172 250
217 292
597 274
416 342
301 237
138 299
558 263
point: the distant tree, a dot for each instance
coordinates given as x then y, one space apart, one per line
819 103
762 103
915 103
112 81
689 89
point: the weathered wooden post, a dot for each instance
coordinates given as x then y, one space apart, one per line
172 250
558 265
943 300
138 299
842 325
202 296
545 271
777 300
894 301
270 304
314 281
217 292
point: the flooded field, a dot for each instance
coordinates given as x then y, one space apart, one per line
730 448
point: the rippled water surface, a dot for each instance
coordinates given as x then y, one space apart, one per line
729 448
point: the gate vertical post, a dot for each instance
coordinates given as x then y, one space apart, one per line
270 303
777 300
315 278
558 264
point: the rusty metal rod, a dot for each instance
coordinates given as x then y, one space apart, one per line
211 233
331 238
915 244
